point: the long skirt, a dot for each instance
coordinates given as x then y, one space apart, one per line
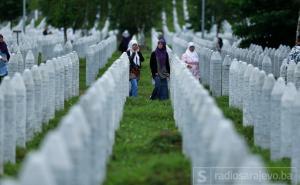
160 90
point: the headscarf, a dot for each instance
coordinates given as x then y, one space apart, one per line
161 54
136 58
193 55
125 34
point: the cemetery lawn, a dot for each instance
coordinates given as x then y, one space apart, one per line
234 114
147 149
12 170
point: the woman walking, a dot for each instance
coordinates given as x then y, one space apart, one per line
160 69
125 41
135 59
4 58
190 57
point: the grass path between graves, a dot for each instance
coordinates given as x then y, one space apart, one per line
147 150
13 169
236 115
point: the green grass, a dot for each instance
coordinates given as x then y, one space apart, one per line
148 146
12 170
236 115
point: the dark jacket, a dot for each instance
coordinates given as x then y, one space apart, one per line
124 44
3 49
153 64
132 64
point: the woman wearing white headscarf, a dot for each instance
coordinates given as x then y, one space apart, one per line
135 58
190 57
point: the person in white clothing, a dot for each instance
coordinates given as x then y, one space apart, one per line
191 58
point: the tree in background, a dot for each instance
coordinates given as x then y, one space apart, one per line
265 22
131 15
216 11
66 14
10 10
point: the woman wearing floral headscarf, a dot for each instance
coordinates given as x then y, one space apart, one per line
160 69
294 55
190 57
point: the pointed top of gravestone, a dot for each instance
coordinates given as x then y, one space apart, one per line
68 47
27 76
227 61
18 81
269 82
234 65
254 74
289 95
260 78
36 171
267 60
36 74
279 87
242 68
55 148
248 71
29 56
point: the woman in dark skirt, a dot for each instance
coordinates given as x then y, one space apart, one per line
160 69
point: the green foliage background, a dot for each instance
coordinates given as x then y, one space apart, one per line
265 22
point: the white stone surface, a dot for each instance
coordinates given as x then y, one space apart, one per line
20 110
9 124
30 102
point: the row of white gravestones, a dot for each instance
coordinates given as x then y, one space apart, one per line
167 34
214 71
17 64
81 46
271 107
175 19
290 72
203 42
179 45
256 57
204 64
77 152
154 38
30 100
185 10
97 57
203 126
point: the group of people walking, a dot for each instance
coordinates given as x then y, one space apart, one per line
159 65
